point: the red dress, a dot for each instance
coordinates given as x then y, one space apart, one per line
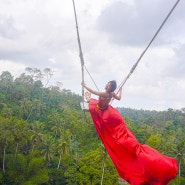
135 162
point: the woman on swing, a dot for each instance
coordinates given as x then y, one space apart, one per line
136 163
106 96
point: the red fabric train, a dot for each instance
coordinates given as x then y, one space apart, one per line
136 163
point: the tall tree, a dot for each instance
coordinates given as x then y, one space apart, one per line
6 137
48 148
37 134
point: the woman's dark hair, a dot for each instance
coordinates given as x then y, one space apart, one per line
113 85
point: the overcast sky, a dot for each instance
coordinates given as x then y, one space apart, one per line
42 34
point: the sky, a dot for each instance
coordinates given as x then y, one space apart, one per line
113 33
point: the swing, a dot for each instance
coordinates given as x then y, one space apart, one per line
84 104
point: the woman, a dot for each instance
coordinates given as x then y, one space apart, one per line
137 163
106 96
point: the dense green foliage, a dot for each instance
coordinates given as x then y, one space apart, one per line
46 139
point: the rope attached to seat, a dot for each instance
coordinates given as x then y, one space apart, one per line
80 48
81 54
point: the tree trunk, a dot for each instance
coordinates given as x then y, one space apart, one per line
179 171
4 158
16 150
59 162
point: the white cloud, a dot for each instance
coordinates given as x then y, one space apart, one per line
113 35
10 66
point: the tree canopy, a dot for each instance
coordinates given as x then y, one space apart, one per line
46 139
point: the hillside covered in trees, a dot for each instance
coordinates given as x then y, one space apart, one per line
46 139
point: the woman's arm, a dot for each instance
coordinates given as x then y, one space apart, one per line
118 95
98 93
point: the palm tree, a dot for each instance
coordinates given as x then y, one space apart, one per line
180 156
63 149
19 134
48 148
6 137
57 128
65 145
37 133
26 108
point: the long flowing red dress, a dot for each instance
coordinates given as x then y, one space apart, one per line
136 163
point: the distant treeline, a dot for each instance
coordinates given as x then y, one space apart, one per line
152 116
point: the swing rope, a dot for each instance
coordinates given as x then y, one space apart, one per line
91 77
81 54
80 48
142 54
82 68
